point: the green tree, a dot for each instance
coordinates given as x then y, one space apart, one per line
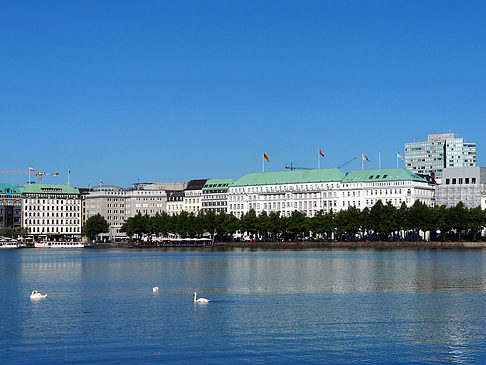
95 225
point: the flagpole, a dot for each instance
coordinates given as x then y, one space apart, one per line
29 175
69 173
263 161
362 162
397 160
379 160
318 159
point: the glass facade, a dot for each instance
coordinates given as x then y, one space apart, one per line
440 151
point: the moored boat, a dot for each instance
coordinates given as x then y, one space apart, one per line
58 244
8 243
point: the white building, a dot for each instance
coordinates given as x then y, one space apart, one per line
310 191
52 212
192 202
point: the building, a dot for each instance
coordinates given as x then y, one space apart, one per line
310 191
395 186
215 195
462 184
51 212
117 204
192 196
175 202
285 191
440 151
10 206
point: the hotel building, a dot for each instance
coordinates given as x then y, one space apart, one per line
51 211
310 191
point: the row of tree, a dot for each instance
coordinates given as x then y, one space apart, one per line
381 222
14 232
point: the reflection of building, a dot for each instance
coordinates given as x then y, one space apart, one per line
53 211
192 196
440 151
10 206
310 191
215 195
462 184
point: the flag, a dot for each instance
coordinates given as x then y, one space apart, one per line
365 158
320 152
89 185
69 172
31 169
399 156
265 158
101 181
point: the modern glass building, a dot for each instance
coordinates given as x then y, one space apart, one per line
441 151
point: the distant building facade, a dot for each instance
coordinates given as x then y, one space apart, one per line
192 196
215 195
51 212
462 184
10 206
440 151
117 204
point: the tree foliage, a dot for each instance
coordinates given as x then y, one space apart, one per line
381 222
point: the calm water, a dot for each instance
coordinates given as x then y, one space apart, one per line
329 306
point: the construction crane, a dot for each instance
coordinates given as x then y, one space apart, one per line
291 167
36 173
344 164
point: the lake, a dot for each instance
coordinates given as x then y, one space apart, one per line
310 306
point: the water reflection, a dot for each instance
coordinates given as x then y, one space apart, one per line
309 306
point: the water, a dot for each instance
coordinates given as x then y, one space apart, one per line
323 306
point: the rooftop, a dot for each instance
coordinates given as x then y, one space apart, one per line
290 177
48 189
8 189
218 184
381 175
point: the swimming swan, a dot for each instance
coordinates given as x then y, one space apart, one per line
200 300
155 289
36 295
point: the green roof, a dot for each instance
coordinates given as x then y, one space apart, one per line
8 189
290 177
48 189
382 175
217 184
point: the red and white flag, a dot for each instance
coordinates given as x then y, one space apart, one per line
31 169
101 181
320 152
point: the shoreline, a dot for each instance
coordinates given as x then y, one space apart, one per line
314 245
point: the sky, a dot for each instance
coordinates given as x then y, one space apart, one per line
167 91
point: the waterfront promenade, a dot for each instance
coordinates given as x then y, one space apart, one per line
326 244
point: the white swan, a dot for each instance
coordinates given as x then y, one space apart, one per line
36 295
200 300
155 289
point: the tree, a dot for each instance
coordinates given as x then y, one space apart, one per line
95 225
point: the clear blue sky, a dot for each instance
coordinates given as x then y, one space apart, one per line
172 91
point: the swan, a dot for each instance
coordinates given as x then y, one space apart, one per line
36 295
155 289
200 300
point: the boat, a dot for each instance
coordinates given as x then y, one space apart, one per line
6 242
58 244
